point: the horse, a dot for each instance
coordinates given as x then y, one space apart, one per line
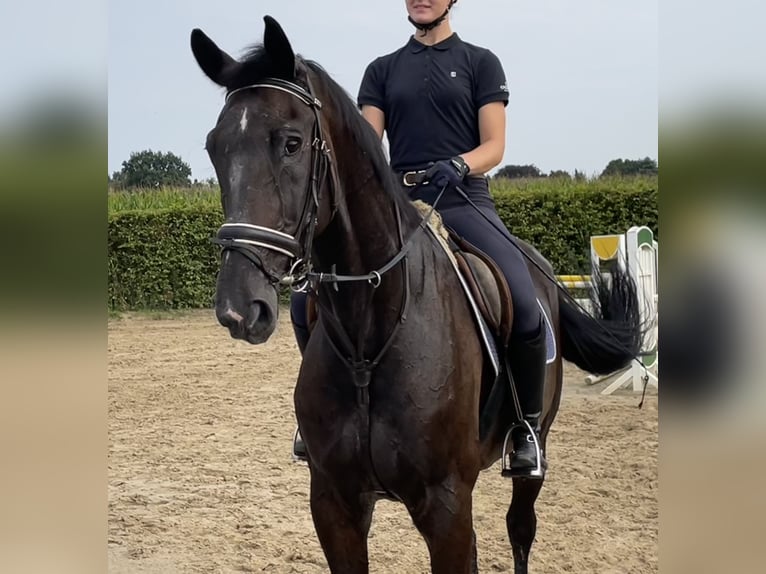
394 376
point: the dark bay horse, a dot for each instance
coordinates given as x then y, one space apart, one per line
390 388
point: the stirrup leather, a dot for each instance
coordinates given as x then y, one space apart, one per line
538 471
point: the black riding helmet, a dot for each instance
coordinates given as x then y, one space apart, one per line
431 25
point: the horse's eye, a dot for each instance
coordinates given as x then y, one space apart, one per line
292 146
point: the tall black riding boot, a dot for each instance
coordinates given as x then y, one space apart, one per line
302 338
527 362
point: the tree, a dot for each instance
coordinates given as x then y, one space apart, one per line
516 171
560 173
152 169
115 180
646 166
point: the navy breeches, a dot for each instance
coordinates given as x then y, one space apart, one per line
298 310
458 214
463 218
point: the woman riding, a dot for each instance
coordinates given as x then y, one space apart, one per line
441 102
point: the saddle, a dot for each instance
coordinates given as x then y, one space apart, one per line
487 285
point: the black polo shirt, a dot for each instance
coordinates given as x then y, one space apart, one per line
431 96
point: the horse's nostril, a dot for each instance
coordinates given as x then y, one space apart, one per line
260 322
253 313
233 320
258 313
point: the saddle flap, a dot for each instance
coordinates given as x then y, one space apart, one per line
488 286
483 288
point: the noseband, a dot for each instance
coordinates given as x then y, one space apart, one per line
247 239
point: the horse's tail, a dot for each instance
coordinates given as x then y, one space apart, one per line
613 336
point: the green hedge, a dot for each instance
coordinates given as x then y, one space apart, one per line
560 223
163 259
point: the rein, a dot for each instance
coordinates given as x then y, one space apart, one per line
374 277
353 357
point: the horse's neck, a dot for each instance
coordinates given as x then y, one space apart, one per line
367 230
366 233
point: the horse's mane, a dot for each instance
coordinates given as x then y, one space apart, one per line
362 132
257 64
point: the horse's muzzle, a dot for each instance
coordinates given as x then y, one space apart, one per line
255 327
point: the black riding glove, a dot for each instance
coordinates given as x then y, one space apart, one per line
447 173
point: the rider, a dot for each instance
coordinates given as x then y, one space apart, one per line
442 103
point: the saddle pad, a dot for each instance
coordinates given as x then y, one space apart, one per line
550 340
488 341
487 338
486 335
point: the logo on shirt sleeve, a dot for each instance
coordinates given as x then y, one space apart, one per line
504 88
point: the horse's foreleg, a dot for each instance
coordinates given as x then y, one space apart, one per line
521 521
443 517
342 521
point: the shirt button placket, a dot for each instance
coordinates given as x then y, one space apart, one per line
428 67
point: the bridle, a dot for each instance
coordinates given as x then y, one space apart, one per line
247 239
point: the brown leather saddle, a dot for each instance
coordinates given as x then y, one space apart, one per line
488 287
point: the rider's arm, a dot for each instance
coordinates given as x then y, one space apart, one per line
375 117
371 98
490 97
492 139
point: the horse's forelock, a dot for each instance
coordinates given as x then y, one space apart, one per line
256 64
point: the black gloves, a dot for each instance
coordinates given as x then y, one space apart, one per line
447 173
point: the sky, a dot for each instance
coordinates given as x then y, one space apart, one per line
583 76
64 52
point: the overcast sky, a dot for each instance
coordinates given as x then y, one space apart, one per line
583 75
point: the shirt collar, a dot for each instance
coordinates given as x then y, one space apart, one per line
445 44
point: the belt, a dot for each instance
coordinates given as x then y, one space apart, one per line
413 178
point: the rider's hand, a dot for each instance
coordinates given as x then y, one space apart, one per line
447 173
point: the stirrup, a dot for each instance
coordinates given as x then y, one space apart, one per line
538 472
298 457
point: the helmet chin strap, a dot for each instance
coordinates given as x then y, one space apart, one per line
426 28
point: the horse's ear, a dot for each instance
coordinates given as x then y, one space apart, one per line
217 64
278 48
